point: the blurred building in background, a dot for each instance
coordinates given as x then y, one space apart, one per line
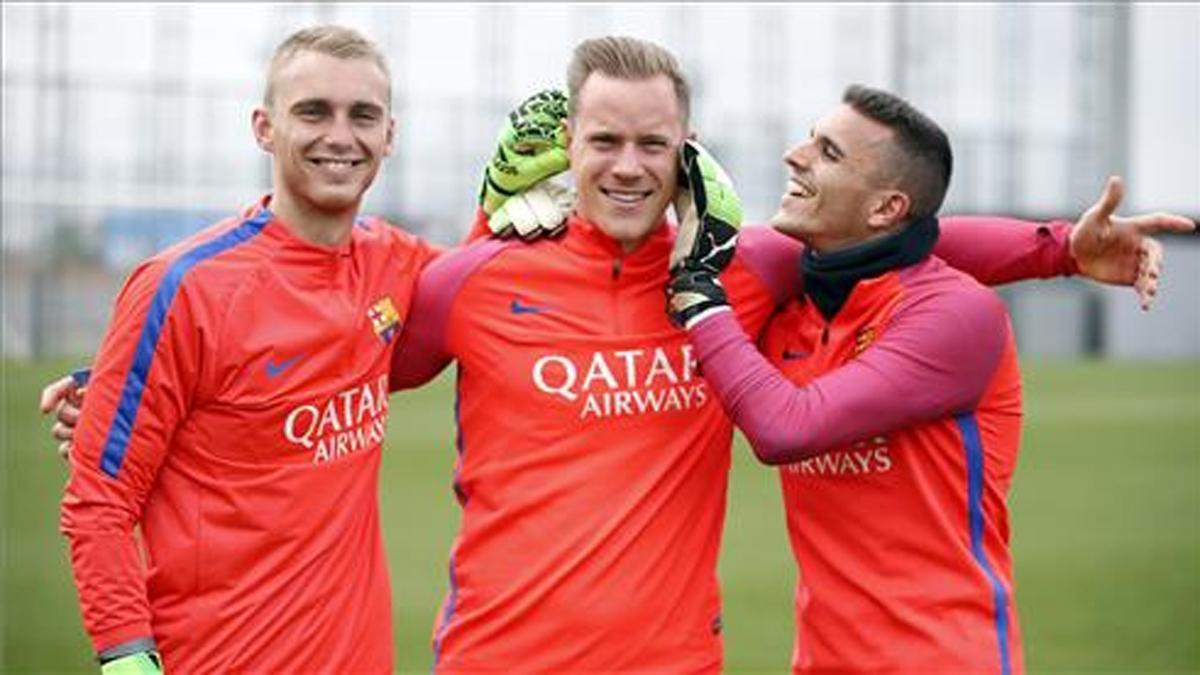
126 127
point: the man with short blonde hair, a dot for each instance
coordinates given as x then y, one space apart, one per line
237 406
336 41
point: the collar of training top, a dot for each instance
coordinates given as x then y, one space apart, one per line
829 278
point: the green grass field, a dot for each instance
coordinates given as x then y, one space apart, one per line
1106 508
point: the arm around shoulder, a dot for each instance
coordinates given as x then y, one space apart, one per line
935 357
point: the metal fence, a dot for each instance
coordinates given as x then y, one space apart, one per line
127 126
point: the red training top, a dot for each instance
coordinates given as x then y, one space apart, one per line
235 412
897 423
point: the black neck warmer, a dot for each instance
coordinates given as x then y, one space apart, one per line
829 278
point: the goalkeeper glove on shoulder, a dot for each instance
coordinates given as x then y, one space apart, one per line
541 210
710 214
531 147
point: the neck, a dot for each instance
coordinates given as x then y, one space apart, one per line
830 275
628 241
312 225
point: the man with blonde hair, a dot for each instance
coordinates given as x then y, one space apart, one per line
237 406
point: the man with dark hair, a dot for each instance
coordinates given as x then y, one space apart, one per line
889 394
919 160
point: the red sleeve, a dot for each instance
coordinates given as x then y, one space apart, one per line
140 388
479 229
935 357
994 251
1001 250
421 352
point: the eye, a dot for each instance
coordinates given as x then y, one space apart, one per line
655 145
829 152
309 113
366 114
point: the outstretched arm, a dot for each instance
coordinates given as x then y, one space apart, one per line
1099 246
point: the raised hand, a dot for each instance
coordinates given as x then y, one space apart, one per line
1119 250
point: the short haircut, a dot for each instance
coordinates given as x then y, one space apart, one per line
921 161
336 41
626 58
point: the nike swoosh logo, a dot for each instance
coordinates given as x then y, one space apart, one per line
518 307
274 369
789 355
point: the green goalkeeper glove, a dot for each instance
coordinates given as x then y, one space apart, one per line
140 663
531 147
710 214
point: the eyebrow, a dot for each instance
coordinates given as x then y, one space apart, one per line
324 103
367 106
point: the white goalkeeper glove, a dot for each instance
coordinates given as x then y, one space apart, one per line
541 210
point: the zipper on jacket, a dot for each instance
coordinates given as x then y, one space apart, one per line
614 300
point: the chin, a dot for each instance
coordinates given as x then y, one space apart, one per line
627 230
784 223
340 197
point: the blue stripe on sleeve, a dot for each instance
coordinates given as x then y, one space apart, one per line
447 614
968 426
117 443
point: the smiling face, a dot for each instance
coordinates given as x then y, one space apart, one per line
624 142
328 128
834 196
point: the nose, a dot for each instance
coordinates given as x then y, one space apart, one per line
800 156
628 165
340 133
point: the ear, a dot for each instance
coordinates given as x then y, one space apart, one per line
391 136
264 132
889 208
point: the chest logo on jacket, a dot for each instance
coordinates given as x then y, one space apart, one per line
385 320
863 457
351 421
623 382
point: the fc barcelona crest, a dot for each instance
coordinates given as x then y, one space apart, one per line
385 320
